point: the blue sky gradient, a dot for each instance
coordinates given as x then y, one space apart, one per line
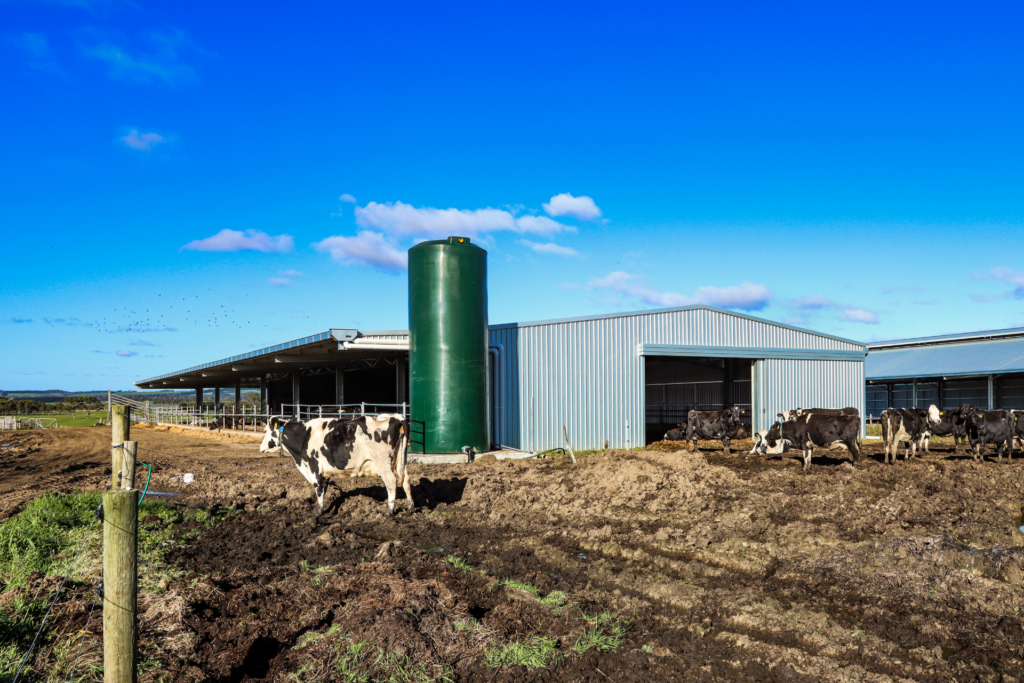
185 181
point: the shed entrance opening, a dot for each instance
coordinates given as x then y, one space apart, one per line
674 386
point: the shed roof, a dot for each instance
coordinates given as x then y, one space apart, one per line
674 309
971 354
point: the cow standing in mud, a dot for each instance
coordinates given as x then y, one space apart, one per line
326 446
810 430
712 424
902 425
945 423
988 426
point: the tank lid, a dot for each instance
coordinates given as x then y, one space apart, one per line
451 240
458 240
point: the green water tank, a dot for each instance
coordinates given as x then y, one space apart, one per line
449 395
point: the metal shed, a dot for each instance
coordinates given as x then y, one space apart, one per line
984 369
598 374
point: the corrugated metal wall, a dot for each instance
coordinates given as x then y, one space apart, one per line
588 374
787 384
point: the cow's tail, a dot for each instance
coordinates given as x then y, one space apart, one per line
403 450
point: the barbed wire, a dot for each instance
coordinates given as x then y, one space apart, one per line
96 592
60 589
217 462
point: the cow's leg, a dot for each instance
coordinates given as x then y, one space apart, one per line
927 441
407 484
321 491
725 442
390 483
854 449
807 458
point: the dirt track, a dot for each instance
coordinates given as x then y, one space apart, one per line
738 568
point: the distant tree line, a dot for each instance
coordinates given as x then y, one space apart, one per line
71 404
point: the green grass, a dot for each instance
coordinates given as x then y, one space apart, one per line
354 662
458 563
606 635
44 536
535 652
81 419
554 600
43 540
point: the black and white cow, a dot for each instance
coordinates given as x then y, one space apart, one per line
945 423
712 424
822 431
902 425
761 444
326 446
1018 427
787 415
677 434
988 426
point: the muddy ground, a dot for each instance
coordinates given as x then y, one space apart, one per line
726 568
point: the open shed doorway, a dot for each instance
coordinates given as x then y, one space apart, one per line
674 386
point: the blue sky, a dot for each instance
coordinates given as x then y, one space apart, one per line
186 181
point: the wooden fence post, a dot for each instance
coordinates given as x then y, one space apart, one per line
120 566
128 452
120 425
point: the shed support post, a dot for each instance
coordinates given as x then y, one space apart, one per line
238 394
199 397
727 384
263 393
339 385
941 399
991 392
400 366
295 391
915 394
216 396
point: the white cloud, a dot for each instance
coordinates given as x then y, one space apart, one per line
565 204
814 302
143 142
278 281
163 64
817 302
860 315
367 248
127 353
404 220
235 240
541 225
746 296
549 248
1009 275
35 50
893 289
347 198
289 273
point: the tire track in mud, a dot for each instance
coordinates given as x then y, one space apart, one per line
741 568
840 593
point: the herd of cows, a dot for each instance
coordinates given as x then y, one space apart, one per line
806 429
378 445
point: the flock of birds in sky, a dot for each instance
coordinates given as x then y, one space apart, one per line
219 316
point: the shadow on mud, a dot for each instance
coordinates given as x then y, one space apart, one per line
428 493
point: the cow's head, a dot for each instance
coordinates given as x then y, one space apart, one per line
761 444
966 413
773 437
272 435
934 415
787 415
